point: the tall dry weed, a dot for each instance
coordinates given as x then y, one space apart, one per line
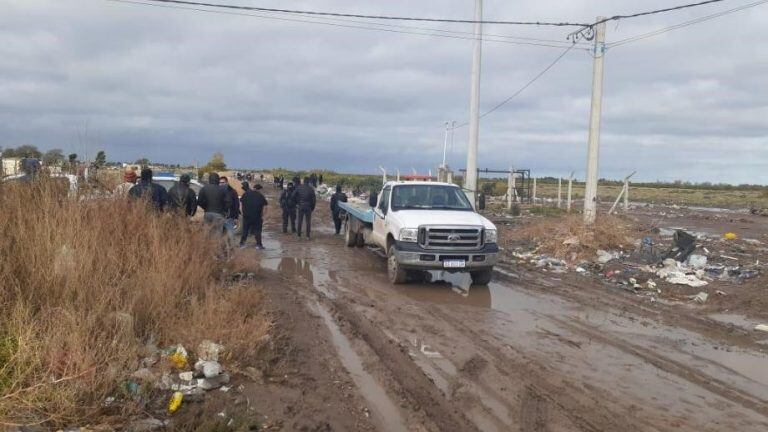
568 238
85 284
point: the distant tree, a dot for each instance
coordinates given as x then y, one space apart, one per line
101 159
217 162
53 157
214 165
26 150
142 162
72 158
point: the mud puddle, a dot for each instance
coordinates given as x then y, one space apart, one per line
385 412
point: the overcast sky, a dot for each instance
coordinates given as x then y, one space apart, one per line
176 85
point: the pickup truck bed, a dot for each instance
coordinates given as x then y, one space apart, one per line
360 211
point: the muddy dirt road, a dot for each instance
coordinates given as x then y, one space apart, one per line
529 352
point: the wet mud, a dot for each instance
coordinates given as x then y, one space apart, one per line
527 352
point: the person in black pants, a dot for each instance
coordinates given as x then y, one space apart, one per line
305 201
288 205
336 198
254 209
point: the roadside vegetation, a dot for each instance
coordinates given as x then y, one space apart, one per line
88 287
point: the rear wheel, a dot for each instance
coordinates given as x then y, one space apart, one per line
350 235
481 277
396 273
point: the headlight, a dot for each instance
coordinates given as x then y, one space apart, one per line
491 236
409 234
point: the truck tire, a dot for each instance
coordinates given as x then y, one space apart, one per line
481 277
350 235
360 240
397 275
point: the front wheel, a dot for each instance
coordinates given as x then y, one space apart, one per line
481 277
396 273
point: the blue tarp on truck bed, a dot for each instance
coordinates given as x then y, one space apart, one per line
361 211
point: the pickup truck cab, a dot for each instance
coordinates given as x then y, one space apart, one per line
425 226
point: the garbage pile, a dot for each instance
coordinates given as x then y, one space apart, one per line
170 372
689 261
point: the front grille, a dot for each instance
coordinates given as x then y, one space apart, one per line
443 237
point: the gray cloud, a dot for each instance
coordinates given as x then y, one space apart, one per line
177 85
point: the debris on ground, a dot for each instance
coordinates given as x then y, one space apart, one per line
701 297
762 327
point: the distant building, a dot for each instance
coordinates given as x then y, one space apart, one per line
11 166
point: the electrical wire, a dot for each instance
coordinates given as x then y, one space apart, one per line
657 11
377 17
359 27
524 87
684 24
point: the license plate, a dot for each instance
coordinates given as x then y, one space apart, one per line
454 264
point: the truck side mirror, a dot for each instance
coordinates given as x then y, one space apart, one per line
373 199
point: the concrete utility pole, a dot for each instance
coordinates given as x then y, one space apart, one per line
570 190
470 182
593 152
559 190
445 144
534 190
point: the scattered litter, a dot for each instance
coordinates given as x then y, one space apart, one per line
225 388
683 245
684 279
721 293
651 284
729 257
730 236
178 357
700 297
213 383
175 403
187 376
762 327
208 350
209 369
604 257
697 261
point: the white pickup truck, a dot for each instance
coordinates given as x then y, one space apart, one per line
425 226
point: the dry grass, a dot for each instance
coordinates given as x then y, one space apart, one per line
567 237
84 285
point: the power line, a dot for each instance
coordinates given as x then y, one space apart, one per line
684 24
359 27
657 11
378 17
523 88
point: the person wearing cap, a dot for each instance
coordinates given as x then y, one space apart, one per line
336 198
181 196
254 206
153 192
129 181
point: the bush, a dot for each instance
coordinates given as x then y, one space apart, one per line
86 284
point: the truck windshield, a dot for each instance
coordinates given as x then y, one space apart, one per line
416 197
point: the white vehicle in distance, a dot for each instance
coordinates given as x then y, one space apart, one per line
425 226
168 180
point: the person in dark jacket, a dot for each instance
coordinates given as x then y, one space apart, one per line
215 202
233 210
288 205
305 201
156 194
481 201
181 196
254 206
336 198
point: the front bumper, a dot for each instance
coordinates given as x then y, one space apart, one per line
413 256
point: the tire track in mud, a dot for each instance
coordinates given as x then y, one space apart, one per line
567 396
409 379
619 300
668 365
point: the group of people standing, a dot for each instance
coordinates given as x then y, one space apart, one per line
223 207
